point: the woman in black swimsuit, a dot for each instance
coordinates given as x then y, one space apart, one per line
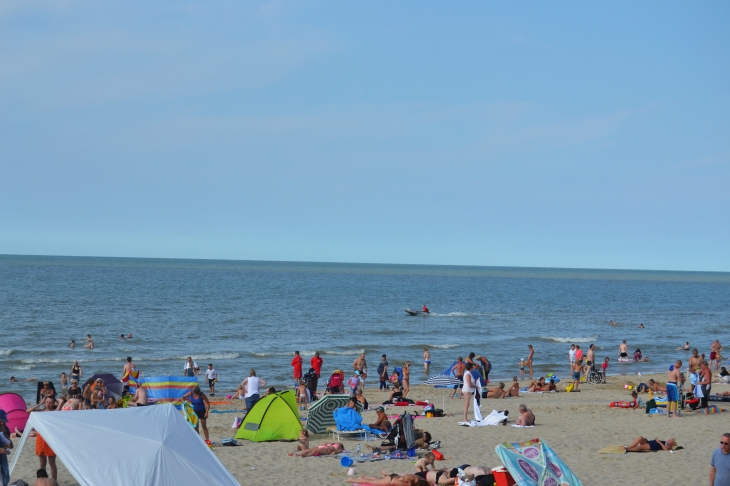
643 445
76 371
436 477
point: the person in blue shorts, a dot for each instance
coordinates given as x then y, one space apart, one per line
674 377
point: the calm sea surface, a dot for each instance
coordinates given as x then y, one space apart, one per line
240 315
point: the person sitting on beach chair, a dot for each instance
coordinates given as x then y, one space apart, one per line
382 422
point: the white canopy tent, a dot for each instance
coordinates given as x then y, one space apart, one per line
128 446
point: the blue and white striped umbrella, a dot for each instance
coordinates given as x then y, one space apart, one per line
443 380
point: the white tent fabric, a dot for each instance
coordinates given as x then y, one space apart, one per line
128 446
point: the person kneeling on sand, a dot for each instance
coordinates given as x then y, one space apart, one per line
643 445
382 423
526 417
321 450
497 391
427 460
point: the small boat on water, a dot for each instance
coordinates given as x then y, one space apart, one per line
415 312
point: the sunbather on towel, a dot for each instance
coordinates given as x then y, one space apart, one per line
382 423
643 445
390 480
537 386
321 450
526 418
440 476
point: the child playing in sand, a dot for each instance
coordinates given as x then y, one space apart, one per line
302 395
303 440
423 463
522 368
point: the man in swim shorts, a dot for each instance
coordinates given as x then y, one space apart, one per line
623 351
42 449
459 368
673 378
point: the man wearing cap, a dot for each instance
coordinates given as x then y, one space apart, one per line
43 450
382 423
5 445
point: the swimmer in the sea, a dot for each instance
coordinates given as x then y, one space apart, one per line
73 344
88 342
684 348
426 358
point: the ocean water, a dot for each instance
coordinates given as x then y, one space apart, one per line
243 314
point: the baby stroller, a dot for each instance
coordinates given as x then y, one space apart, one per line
336 383
595 376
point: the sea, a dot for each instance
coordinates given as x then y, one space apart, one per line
240 315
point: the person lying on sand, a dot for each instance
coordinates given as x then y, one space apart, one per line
643 445
440 476
471 470
498 391
537 386
390 480
321 450
526 417
655 386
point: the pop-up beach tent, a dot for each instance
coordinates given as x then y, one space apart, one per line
534 463
274 417
15 407
128 446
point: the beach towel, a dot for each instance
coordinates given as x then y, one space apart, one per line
493 418
347 419
613 449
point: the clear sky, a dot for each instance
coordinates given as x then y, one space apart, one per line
570 134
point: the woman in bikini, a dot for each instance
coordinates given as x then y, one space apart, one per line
440 476
643 445
321 450
390 480
514 390
76 371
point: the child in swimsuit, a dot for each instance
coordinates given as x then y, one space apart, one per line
302 395
423 463
522 368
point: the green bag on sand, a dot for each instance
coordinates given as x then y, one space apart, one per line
650 404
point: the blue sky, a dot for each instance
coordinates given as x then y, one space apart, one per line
523 134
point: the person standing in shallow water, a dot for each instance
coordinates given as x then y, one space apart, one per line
426 359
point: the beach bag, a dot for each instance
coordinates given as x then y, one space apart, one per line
650 404
569 388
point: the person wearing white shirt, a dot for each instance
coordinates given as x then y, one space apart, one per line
252 385
571 356
189 368
212 377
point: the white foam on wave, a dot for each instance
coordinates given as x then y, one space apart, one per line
6 352
441 346
345 353
571 339
22 367
211 356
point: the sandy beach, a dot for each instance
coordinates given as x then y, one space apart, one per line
576 425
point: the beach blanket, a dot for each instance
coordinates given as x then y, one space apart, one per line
493 418
613 449
348 419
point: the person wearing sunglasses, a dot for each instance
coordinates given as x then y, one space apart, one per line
720 463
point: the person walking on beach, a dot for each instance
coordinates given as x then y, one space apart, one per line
406 378
426 359
623 351
212 376
383 373
252 385
201 407
296 363
720 463
189 368
459 368
316 363
571 356
530 358
468 389
673 379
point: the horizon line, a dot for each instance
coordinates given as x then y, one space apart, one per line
363 263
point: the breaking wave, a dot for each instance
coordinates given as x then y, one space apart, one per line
571 339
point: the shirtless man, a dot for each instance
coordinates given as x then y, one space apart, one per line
591 356
623 351
128 367
526 417
406 378
140 397
673 379
705 383
361 365
530 358
576 368
42 479
694 365
88 342
498 391
459 368
426 358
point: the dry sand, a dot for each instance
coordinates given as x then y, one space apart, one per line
576 425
